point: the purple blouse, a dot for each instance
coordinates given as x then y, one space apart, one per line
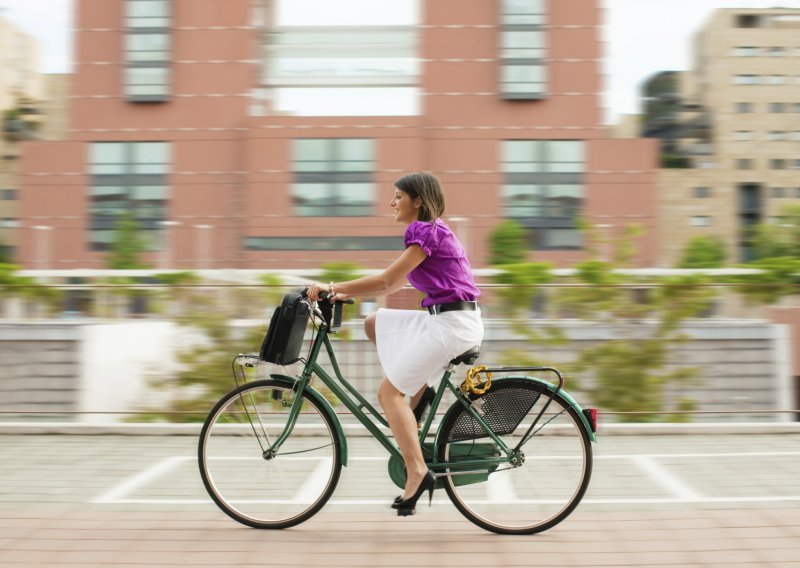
445 276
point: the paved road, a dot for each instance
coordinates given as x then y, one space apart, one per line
655 500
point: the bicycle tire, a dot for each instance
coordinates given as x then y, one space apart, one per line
275 492
556 463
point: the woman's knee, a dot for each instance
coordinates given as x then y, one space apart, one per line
369 326
388 393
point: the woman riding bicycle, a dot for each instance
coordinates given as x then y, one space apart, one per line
414 346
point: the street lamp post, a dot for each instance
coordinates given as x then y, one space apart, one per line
42 246
606 241
165 242
203 246
461 231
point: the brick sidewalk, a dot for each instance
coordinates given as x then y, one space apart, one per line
719 537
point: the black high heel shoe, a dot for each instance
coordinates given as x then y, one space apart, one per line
406 507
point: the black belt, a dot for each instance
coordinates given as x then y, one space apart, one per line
452 307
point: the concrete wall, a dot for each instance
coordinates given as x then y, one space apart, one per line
81 367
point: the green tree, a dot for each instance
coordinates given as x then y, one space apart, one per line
781 238
127 244
508 244
629 371
13 284
778 277
703 252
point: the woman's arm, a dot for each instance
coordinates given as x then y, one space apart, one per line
390 280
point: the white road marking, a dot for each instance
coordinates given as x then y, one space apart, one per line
500 489
497 491
667 480
314 483
114 494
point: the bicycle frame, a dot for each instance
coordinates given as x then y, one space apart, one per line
355 402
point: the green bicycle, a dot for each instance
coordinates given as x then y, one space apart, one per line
514 454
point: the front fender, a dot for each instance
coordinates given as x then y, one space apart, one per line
314 394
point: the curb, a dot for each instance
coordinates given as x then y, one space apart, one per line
357 430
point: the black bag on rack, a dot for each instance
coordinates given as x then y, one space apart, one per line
284 337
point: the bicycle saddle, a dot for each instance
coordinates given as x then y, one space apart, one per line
468 357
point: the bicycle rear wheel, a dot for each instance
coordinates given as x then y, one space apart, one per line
242 477
550 476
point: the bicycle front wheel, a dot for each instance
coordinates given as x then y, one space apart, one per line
247 478
550 474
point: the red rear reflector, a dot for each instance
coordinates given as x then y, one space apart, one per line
591 416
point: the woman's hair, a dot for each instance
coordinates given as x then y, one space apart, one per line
425 186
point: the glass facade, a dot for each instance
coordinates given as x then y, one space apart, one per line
359 59
543 190
333 177
324 243
127 177
147 50
523 49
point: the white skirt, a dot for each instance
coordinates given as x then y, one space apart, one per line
415 347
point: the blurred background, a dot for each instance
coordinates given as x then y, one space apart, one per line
625 185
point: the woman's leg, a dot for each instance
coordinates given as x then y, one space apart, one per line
404 427
369 326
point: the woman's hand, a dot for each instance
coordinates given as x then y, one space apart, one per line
314 290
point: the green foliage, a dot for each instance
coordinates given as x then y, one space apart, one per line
507 244
204 373
782 239
25 287
127 244
339 272
630 370
779 278
521 284
627 373
703 252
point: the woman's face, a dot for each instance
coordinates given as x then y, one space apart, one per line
406 210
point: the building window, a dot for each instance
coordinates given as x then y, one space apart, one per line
796 107
743 135
700 221
9 223
744 107
796 164
778 164
523 49
746 80
333 177
544 189
8 194
776 135
128 178
701 191
777 79
797 192
776 51
777 107
147 50
746 51
778 192
360 60
748 21
744 164
324 243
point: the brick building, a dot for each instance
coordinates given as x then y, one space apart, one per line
267 133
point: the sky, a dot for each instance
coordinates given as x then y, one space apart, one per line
642 37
